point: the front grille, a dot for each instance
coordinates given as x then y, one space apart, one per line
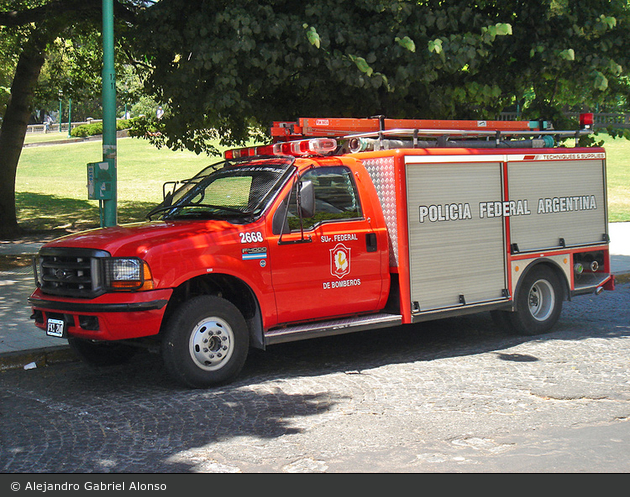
71 272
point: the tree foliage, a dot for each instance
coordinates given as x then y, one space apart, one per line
221 68
224 65
566 53
29 28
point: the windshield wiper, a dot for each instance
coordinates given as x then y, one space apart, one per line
201 210
159 209
220 207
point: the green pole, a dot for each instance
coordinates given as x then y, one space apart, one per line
69 117
110 215
60 117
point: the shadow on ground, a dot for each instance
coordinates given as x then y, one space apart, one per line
50 216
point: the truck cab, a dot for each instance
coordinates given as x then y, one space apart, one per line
273 242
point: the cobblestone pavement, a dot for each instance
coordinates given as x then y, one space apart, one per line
448 396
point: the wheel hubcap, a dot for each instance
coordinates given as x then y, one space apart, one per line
541 300
211 343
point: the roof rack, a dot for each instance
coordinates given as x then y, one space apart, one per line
321 136
336 127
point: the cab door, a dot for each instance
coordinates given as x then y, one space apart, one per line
325 263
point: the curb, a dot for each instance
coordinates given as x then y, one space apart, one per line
36 358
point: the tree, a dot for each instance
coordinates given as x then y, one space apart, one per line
222 68
226 65
31 26
8 61
564 54
72 70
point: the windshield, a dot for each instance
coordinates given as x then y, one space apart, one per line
237 191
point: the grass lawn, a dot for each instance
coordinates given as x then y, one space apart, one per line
618 178
52 193
51 184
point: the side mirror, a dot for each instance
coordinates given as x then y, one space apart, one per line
169 185
307 199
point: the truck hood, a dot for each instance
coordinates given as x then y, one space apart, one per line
138 240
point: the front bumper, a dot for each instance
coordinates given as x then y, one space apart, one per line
112 316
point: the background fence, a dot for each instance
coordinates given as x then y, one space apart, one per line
54 127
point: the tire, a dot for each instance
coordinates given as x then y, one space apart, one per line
101 353
538 303
205 343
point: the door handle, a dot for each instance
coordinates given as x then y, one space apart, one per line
370 242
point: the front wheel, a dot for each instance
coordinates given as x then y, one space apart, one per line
538 303
205 342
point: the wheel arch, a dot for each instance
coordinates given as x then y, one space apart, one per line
230 288
551 264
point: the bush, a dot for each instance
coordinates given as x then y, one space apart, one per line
86 130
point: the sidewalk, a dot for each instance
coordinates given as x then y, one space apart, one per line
24 345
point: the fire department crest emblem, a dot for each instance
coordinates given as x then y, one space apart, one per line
340 260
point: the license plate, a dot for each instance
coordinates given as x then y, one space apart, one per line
56 328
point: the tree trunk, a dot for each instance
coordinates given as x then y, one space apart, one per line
13 131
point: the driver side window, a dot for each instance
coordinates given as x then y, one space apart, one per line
336 198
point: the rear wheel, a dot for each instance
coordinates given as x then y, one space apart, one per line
538 303
205 342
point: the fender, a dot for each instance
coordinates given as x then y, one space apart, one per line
566 289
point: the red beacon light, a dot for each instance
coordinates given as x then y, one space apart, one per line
239 153
315 146
587 120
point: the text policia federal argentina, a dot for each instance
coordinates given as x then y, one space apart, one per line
462 211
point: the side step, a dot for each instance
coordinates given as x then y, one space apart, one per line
329 328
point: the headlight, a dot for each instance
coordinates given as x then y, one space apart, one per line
127 274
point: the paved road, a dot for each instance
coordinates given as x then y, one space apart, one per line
450 396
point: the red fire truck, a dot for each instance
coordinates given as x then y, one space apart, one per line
339 225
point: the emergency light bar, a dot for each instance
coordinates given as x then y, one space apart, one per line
238 153
314 146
